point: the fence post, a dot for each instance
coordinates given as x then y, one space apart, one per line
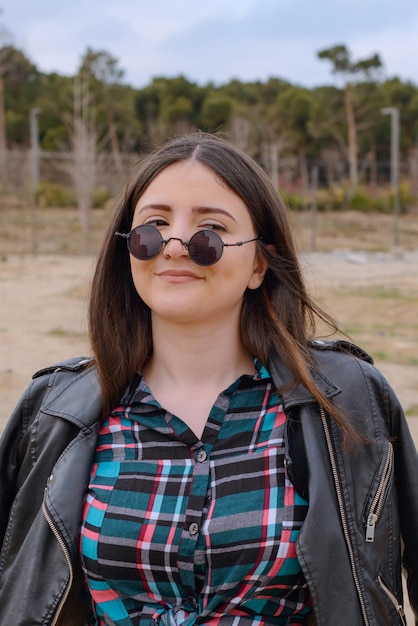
314 206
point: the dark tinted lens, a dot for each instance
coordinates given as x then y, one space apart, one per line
205 247
145 242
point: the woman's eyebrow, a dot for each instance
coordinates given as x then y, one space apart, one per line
200 210
212 210
159 207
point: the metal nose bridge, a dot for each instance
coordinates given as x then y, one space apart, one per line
185 244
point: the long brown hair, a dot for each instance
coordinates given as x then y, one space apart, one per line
279 315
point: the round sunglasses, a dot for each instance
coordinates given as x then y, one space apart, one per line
205 247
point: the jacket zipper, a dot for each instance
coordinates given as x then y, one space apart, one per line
67 557
393 599
378 500
343 516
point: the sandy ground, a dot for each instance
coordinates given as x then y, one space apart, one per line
43 311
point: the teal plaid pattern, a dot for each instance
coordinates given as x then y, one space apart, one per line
178 530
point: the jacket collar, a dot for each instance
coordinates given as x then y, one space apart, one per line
292 392
74 395
77 397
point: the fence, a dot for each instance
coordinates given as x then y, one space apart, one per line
55 167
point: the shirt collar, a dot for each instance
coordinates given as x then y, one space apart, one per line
261 372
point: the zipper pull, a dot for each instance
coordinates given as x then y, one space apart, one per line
371 526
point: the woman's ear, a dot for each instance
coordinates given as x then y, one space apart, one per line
259 271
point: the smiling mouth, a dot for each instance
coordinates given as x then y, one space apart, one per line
178 274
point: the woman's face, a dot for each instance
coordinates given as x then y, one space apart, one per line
183 199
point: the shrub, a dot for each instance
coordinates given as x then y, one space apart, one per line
361 201
54 195
100 196
293 200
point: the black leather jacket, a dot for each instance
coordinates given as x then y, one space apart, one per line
363 503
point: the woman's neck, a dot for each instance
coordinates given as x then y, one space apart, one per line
191 365
184 355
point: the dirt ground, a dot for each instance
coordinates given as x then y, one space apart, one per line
373 296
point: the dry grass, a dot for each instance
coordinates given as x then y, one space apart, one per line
58 231
377 309
354 231
373 296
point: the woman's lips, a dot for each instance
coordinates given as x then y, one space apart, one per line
178 276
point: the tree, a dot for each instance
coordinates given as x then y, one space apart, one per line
367 68
217 111
293 112
4 47
102 69
169 106
21 87
55 98
85 153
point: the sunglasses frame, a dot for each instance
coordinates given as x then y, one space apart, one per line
163 242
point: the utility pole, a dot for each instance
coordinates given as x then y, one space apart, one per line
34 145
394 167
3 139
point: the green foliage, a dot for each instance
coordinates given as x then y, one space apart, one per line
294 201
101 196
168 106
339 57
16 123
50 194
364 200
101 66
361 201
305 125
341 61
245 93
216 111
179 109
406 196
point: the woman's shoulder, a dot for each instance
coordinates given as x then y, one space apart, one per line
339 356
59 389
331 347
71 390
347 364
74 365
54 378
352 369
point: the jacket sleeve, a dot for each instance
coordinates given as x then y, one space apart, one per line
18 448
406 472
14 447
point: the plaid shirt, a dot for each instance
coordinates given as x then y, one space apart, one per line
178 530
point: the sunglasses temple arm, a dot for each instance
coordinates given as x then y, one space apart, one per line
124 235
240 243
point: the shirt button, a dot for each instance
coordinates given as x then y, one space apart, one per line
193 528
201 455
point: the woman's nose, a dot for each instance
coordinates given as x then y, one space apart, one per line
175 247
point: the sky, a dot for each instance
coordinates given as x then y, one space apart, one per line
215 40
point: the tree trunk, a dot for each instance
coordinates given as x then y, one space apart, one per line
304 174
84 167
3 142
274 164
352 138
413 169
114 141
373 161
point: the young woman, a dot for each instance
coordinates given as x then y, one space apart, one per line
214 463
